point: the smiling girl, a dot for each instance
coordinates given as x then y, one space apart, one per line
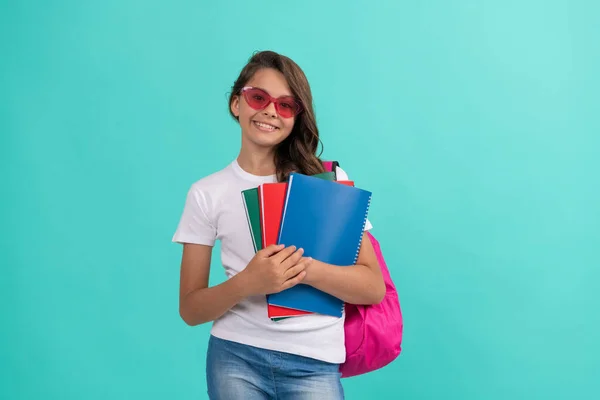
249 355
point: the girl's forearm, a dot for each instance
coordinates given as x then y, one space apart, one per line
207 304
354 284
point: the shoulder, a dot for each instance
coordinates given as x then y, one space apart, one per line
207 192
340 174
213 182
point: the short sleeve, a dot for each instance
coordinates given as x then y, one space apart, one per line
195 225
341 175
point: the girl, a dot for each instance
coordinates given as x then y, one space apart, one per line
249 355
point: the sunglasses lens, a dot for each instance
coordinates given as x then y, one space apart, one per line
287 107
256 98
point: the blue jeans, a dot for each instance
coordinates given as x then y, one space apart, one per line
237 371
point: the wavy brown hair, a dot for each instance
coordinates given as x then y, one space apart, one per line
297 153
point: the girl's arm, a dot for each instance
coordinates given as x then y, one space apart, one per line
199 303
356 284
271 270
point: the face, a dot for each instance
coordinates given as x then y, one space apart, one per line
265 127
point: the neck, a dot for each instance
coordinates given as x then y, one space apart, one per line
257 160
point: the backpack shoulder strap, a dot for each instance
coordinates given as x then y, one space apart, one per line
330 166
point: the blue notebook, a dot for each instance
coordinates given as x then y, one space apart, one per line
327 220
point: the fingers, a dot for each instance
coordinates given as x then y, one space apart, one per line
284 254
293 259
293 271
294 281
272 249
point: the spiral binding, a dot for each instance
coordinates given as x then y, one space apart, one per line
362 231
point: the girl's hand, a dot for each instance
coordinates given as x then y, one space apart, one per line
274 269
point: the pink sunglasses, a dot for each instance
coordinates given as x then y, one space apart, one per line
258 99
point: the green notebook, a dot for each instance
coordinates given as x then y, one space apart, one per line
250 200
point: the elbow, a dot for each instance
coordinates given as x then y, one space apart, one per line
188 317
373 296
377 288
379 296
378 293
374 291
185 317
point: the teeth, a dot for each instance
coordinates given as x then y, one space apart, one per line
265 126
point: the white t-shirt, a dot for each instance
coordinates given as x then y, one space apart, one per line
214 211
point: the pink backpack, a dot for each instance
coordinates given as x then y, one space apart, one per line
373 334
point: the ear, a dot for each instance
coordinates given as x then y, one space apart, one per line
235 106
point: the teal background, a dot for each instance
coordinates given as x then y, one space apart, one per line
474 123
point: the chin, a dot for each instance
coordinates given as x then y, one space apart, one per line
266 141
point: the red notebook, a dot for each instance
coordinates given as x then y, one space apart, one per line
271 197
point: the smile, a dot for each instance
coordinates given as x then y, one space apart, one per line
265 127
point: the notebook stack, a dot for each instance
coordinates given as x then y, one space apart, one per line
324 217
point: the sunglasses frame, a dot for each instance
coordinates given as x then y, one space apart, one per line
273 100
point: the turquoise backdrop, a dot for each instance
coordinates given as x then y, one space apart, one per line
474 123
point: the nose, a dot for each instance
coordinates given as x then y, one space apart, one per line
270 110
